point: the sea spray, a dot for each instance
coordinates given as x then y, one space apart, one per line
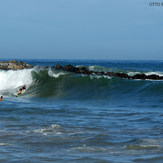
54 73
12 79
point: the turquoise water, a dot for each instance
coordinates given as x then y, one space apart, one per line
66 117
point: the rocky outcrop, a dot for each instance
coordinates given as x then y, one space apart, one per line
14 65
84 70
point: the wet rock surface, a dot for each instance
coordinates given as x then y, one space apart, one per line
15 65
84 70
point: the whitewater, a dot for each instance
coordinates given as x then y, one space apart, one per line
68 117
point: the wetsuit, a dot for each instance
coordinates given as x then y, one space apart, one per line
20 91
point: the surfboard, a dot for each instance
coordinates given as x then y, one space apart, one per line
18 95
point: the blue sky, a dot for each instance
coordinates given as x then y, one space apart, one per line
81 29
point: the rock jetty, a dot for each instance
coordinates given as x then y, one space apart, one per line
15 65
84 70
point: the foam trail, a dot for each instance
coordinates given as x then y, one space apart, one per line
54 129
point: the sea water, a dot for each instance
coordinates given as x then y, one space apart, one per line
67 117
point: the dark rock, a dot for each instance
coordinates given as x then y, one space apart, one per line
90 72
23 64
69 68
122 75
110 74
58 67
53 67
76 70
154 77
15 65
102 73
83 70
139 76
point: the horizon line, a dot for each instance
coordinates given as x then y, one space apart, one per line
101 59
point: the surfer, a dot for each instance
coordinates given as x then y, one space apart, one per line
20 90
1 98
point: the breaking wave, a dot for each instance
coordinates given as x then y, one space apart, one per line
66 85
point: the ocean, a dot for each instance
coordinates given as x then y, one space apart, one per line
68 117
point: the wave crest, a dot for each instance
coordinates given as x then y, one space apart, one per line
67 85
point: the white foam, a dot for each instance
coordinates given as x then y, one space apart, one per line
91 68
146 73
154 73
132 73
55 74
147 143
1 144
99 76
53 129
79 66
108 77
54 126
97 68
12 79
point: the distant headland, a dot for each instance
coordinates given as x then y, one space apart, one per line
19 65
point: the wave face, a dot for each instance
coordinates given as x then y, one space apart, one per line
11 80
65 85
